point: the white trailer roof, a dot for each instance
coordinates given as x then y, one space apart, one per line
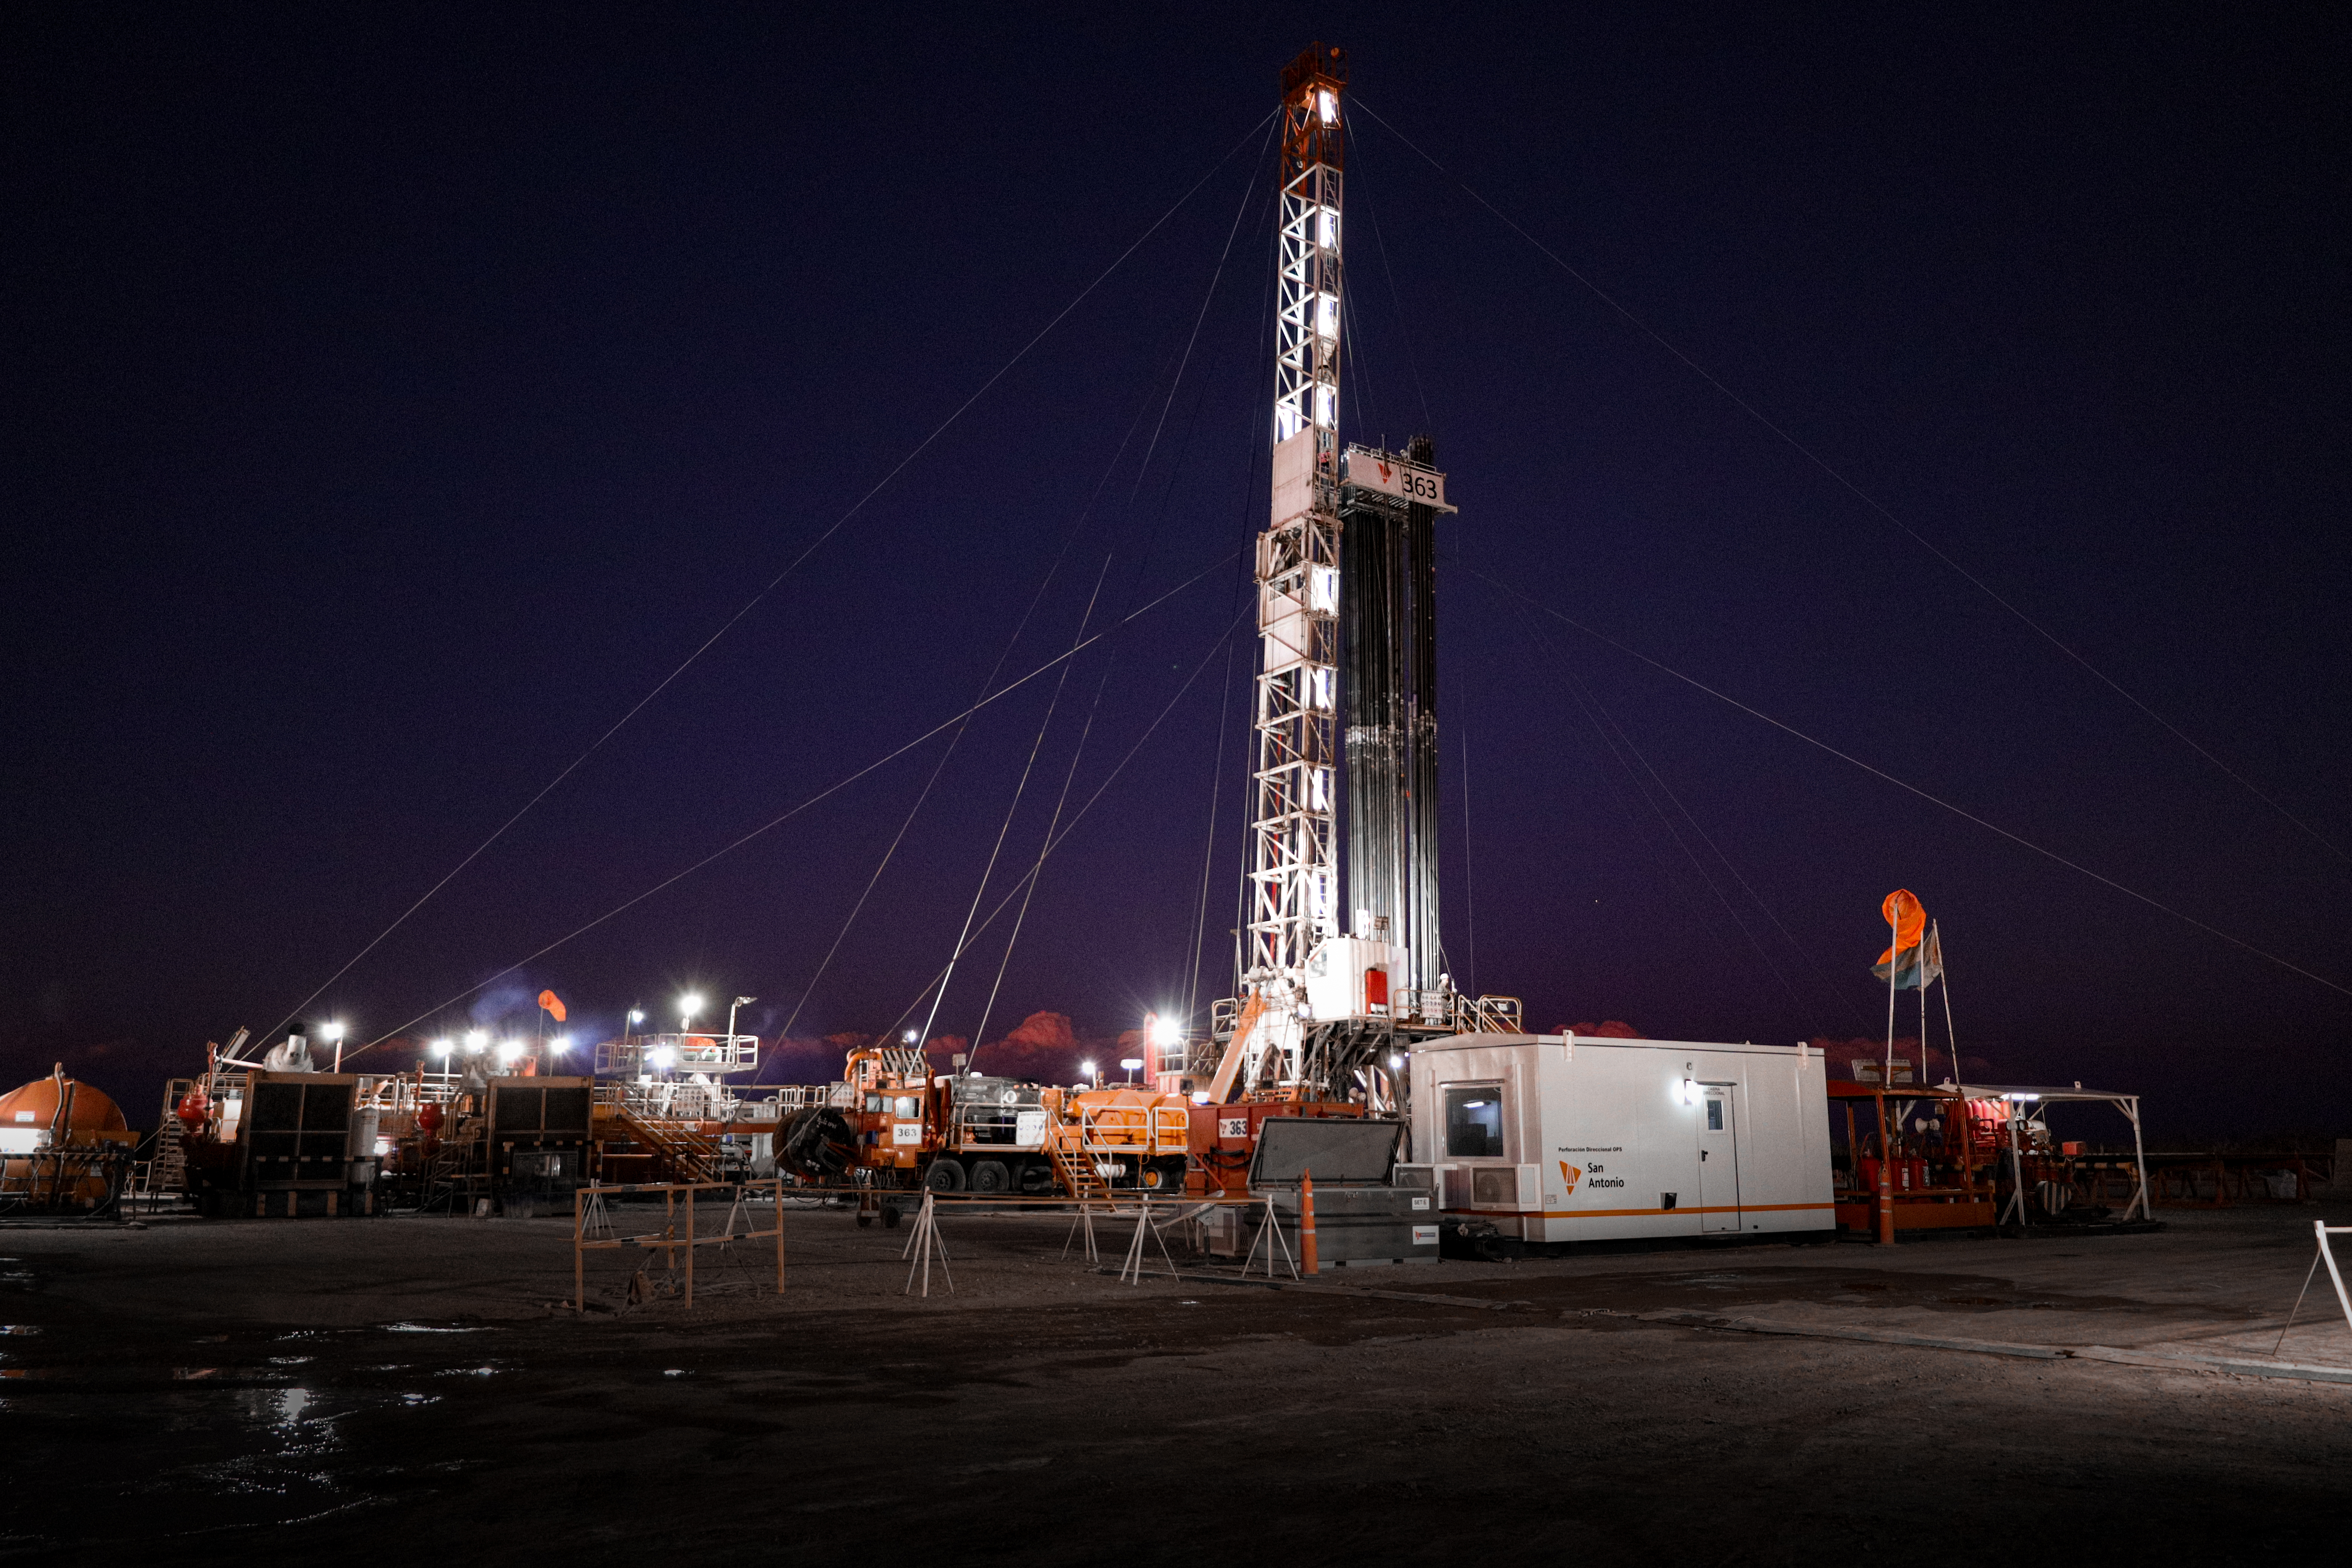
1472 1042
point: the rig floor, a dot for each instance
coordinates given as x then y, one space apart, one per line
393 1390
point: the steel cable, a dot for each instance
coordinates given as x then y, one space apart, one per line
1853 488
778 579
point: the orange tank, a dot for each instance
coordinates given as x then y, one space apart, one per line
59 1140
88 1109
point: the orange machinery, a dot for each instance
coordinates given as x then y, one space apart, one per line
63 1144
1940 1156
894 1124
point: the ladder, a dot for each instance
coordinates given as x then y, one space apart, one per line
456 1177
164 1175
167 1173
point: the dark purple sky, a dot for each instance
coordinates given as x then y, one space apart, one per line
395 396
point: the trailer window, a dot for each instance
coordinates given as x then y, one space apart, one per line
1474 1121
903 1106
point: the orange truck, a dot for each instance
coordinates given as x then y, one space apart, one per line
892 1124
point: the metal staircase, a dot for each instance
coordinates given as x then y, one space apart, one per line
167 1175
688 1154
456 1178
163 1174
1075 1165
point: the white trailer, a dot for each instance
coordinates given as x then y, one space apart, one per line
1555 1137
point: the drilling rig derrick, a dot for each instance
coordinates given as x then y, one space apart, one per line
1323 998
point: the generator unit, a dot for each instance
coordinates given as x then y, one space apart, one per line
539 1133
292 1144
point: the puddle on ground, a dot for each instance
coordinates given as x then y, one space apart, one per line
235 1456
429 1329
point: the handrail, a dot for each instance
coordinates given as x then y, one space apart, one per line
1124 1129
690 1051
666 1239
670 1099
684 1147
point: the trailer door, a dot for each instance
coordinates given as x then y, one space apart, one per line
1718 1160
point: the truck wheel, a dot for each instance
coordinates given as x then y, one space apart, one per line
991 1177
944 1176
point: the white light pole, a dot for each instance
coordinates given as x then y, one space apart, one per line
334 1033
687 1006
739 1001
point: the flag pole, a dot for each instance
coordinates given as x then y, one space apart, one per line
1951 1038
1894 972
1922 1007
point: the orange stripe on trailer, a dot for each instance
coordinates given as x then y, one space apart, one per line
1623 1214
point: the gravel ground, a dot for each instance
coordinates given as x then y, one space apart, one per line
366 1389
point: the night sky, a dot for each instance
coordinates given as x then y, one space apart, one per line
394 396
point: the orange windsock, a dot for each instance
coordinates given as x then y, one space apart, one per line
555 1004
1902 911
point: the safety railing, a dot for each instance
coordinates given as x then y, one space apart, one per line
641 1054
406 1091
1462 1015
999 1126
667 1099
590 1213
1435 1009
1123 1128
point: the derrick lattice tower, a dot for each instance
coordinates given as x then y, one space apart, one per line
1325 999
1292 874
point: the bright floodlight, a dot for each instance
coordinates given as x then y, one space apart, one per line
1164 1031
911 1036
664 1058
1085 1069
333 1032
476 1039
509 1049
441 1048
560 1043
690 1004
636 1015
1396 1061
1130 1063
